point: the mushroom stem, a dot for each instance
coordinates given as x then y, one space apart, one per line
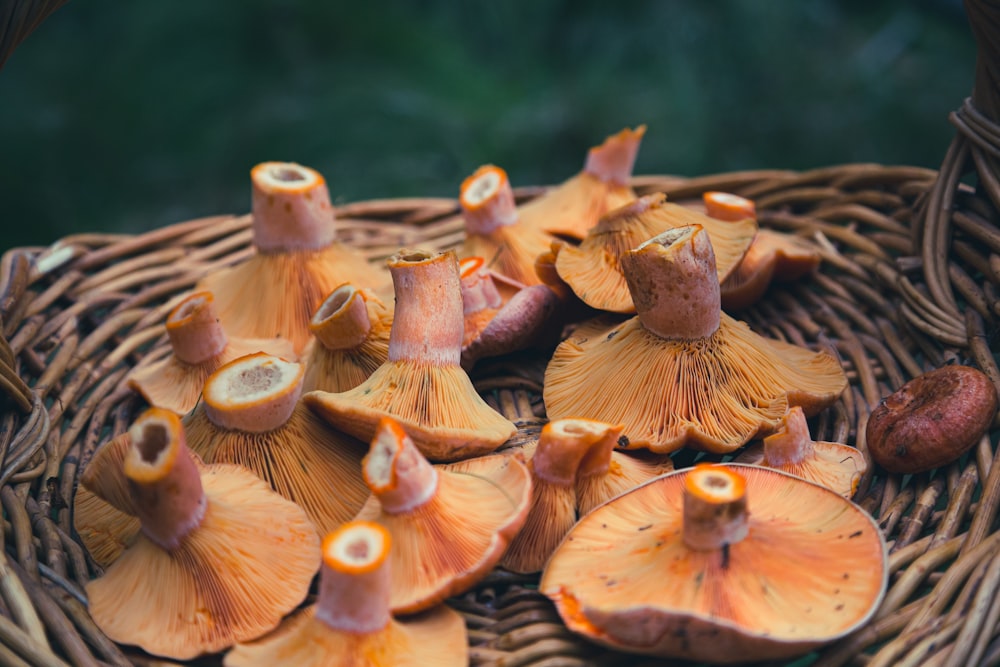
163 480
728 207
562 444
341 322
291 208
396 471
479 292
791 442
354 581
428 322
256 393
715 508
597 460
487 201
674 284
613 160
194 330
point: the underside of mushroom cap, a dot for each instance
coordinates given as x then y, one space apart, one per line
812 568
773 256
625 471
714 393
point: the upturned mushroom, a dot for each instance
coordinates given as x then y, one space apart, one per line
351 330
220 559
422 385
791 449
720 564
574 206
251 415
449 524
682 372
594 271
297 263
351 623
199 345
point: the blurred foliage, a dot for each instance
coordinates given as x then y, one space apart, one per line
128 116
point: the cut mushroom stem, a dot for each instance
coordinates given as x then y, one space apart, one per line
163 480
487 201
428 322
674 284
791 442
728 207
562 445
291 208
479 292
715 508
256 393
603 440
194 330
613 160
355 581
341 322
396 471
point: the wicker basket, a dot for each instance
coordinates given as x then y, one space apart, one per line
910 280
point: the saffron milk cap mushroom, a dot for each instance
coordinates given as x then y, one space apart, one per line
720 564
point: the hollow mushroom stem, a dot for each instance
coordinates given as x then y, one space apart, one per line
354 581
612 161
791 442
341 322
479 292
715 508
487 201
562 445
291 208
396 471
603 440
256 393
194 330
163 480
428 322
673 282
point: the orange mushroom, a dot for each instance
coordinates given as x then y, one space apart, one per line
593 269
298 260
481 300
199 346
791 449
351 330
720 564
573 207
252 416
682 372
449 524
351 624
422 385
220 558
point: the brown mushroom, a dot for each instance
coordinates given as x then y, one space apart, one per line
593 269
720 564
351 624
682 372
220 558
199 345
298 260
422 385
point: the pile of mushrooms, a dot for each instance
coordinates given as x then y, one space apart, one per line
348 405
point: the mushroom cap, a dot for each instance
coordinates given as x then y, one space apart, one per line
773 256
510 251
445 545
593 269
811 569
713 393
232 579
437 405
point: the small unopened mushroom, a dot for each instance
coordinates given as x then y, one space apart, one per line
199 345
574 206
422 385
449 526
720 564
931 420
593 269
220 559
351 623
252 416
682 372
298 260
791 449
351 329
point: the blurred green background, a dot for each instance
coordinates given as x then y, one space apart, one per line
122 116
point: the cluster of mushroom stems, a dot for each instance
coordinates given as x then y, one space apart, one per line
332 428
